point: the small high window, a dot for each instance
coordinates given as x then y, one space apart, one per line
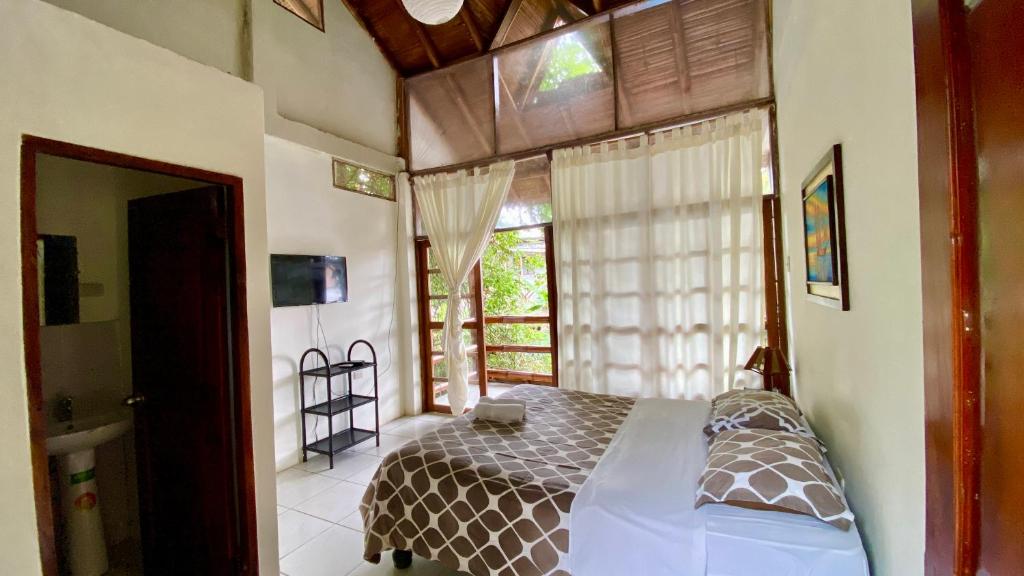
363 180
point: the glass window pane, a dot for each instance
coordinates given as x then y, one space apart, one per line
684 56
451 115
436 283
555 90
363 180
528 18
515 280
518 334
528 362
439 310
529 198
440 369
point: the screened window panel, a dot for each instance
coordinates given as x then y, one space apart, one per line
677 57
451 115
529 199
556 89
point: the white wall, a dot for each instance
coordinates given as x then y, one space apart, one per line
318 85
337 82
70 79
207 31
844 72
308 215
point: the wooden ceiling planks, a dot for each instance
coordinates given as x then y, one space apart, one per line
526 18
412 48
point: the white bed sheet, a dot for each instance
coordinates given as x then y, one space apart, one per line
634 515
743 542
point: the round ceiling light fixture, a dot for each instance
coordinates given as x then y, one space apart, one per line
432 12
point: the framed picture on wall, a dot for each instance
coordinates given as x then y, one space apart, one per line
825 232
312 11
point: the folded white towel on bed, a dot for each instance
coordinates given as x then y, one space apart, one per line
489 400
507 413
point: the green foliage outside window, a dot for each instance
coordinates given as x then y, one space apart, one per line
363 180
515 284
569 59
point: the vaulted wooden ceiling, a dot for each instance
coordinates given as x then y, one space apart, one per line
412 47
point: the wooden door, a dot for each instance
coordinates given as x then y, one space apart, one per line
997 73
182 378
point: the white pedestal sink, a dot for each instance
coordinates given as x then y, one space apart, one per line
75 443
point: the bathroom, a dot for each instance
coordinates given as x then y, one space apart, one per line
91 403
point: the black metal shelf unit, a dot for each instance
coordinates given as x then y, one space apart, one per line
336 442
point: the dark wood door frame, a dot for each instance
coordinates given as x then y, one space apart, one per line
31 146
947 174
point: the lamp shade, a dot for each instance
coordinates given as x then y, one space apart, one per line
432 11
767 362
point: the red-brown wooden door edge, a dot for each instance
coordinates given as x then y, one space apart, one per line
31 146
947 173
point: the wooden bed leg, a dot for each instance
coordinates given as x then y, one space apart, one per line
402 558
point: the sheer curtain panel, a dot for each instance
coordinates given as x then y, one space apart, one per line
659 260
459 212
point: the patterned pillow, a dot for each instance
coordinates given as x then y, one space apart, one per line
746 409
772 470
756 394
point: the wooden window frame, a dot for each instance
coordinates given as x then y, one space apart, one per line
486 375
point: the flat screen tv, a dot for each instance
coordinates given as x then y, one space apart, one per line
304 280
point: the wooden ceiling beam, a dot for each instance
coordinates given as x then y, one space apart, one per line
423 37
474 28
456 93
428 46
586 6
515 115
506 22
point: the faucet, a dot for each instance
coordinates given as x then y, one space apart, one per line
64 409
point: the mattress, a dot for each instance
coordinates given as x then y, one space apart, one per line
490 498
743 542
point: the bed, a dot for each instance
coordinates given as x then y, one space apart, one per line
616 473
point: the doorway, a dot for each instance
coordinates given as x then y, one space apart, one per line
136 339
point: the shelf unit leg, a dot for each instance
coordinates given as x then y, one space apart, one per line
352 412
330 422
376 400
302 410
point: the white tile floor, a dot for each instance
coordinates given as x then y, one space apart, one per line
318 522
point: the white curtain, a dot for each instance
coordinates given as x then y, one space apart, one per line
659 260
459 212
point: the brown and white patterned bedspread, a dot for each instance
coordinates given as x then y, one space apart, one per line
491 498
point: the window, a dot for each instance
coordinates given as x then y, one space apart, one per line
569 60
363 180
555 89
